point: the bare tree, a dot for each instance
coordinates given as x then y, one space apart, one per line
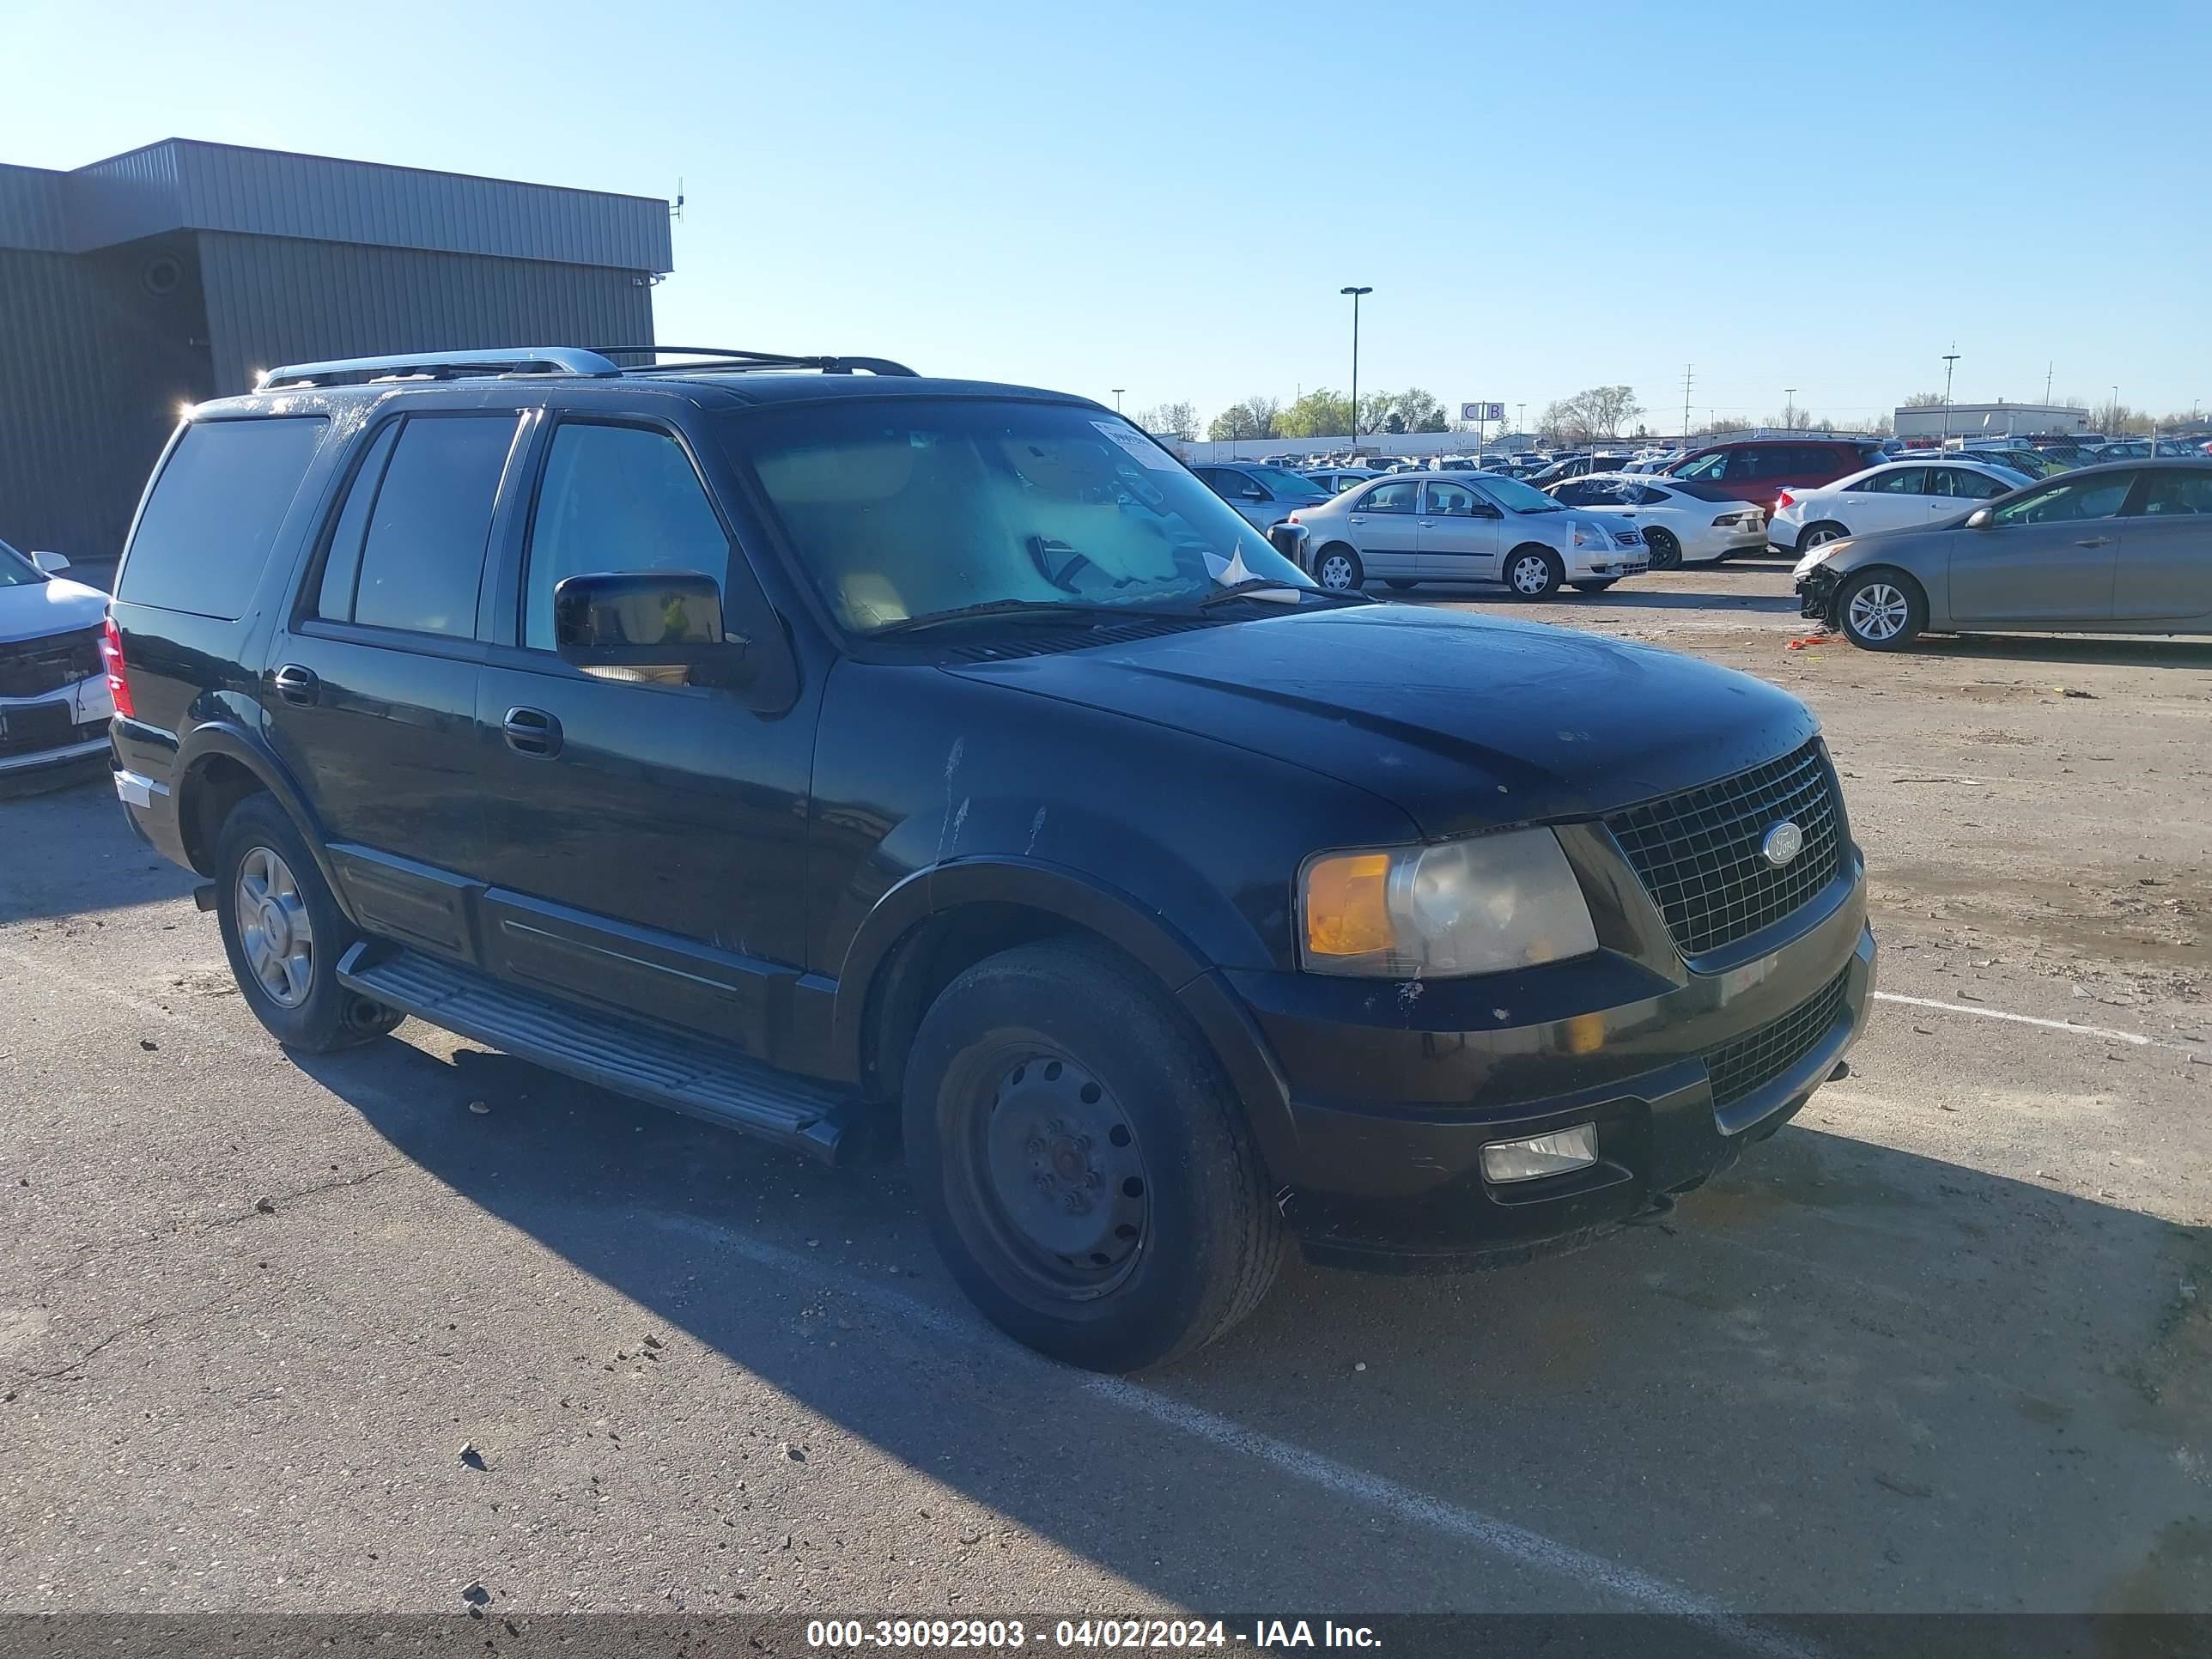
1608 408
1176 420
1923 400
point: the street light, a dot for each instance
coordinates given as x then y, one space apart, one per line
1949 358
1790 407
1355 292
1118 390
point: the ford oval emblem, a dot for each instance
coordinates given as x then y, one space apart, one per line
1782 843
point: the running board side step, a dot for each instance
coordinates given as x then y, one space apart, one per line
697 1075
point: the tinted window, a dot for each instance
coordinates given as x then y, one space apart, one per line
1287 486
343 563
1898 481
423 559
1388 498
2175 492
1574 495
211 522
1232 483
2064 503
615 498
1705 466
1966 484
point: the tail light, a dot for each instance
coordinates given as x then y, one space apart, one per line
111 652
1293 519
1785 499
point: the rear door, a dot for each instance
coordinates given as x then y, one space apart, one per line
1242 491
1384 527
2044 559
1894 499
2165 565
371 685
1456 534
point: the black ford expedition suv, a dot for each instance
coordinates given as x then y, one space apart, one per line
848 756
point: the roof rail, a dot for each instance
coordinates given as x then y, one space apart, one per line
732 359
440 366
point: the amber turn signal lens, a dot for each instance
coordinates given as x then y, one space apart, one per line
1347 904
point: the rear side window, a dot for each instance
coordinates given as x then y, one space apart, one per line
428 522
211 522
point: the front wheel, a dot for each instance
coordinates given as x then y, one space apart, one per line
1881 610
1596 587
1338 568
1085 1170
284 934
1666 552
1534 573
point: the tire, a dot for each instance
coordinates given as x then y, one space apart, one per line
1820 535
284 953
1596 586
1054 1076
1881 610
1533 572
1401 583
1337 568
1666 551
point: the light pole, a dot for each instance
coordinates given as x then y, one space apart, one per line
1790 408
2113 413
1118 390
1949 359
1355 292
1521 419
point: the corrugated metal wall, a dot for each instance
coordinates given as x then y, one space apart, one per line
271 299
93 367
32 209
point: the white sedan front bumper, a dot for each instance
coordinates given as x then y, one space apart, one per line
58 738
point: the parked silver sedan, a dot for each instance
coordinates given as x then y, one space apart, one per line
2105 549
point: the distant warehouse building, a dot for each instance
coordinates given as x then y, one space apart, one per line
1990 421
177 272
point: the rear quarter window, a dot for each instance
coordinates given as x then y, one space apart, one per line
211 521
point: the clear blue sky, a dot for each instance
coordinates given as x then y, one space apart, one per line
1168 197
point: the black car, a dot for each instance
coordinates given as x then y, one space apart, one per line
856 758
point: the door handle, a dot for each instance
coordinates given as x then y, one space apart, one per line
2093 541
1426 524
531 732
296 684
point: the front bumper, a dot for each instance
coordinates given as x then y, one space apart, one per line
1816 595
1395 1089
63 727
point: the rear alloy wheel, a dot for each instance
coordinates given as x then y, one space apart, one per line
1338 568
1086 1171
1666 551
1821 535
1881 610
1534 573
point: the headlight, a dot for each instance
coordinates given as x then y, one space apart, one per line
1819 555
1476 906
1588 535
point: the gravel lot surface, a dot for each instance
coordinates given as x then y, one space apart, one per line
368 1331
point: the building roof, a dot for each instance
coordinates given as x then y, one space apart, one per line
182 184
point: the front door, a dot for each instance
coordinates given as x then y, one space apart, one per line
1456 535
371 689
2165 567
644 841
1384 531
2047 556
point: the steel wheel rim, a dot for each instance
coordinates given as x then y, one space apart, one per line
1064 1181
1336 572
1878 611
1529 575
274 928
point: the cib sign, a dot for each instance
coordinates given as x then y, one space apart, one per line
1482 412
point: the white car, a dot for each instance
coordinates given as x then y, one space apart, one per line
1466 527
54 703
1900 495
1683 523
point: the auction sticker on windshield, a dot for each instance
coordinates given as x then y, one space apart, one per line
1137 445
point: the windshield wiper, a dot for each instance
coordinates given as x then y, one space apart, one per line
1046 608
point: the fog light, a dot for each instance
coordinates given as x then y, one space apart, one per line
1541 1155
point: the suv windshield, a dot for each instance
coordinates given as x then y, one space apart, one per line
901 508
15 570
1513 494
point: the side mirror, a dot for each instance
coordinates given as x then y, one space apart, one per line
658 627
1290 540
52 564
1252 493
1979 518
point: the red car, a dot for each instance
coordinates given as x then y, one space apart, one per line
1760 469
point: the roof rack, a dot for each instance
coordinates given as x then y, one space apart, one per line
732 359
441 366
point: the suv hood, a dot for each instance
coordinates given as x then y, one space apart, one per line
35 611
1467 722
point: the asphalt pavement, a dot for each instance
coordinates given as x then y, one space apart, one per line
365 1332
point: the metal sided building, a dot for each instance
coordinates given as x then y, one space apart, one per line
176 272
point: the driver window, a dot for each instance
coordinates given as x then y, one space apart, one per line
615 498
2068 503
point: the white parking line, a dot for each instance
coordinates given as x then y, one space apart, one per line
2110 1036
1499 1538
